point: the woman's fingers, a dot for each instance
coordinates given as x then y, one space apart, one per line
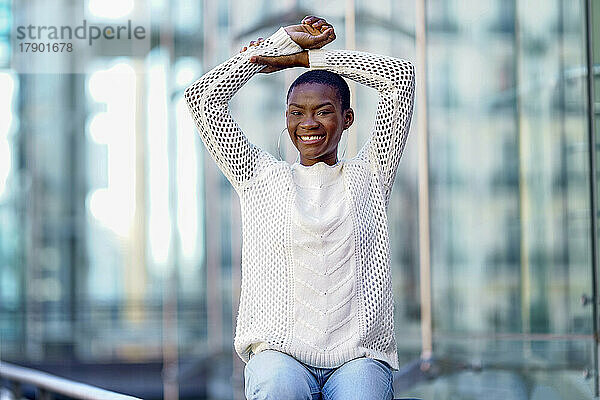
276 62
309 36
257 42
315 22
319 24
316 40
262 60
253 43
324 35
327 36
309 19
324 27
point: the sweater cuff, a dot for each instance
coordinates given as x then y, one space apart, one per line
316 58
283 43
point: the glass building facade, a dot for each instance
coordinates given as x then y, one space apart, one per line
120 240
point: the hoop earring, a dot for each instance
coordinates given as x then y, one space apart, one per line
279 147
346 145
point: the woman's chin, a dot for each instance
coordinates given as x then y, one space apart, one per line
311 156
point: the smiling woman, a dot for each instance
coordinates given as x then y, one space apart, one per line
316 294
317 114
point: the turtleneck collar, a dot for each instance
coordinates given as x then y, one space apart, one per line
317 175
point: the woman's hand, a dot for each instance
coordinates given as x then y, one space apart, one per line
281 62
277 63
312 33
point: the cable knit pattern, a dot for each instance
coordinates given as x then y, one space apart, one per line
324 262
323 300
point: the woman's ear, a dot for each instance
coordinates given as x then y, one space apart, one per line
348 118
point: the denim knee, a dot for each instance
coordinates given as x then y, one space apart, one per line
272 375
360 379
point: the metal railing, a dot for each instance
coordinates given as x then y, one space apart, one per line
47 385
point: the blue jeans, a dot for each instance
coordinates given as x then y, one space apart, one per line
271 374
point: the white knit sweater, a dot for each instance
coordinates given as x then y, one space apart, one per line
324 263
287 270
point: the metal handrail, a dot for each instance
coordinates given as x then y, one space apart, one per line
55 384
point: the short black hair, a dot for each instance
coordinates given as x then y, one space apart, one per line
325 77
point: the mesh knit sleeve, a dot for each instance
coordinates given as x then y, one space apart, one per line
394 79
208 101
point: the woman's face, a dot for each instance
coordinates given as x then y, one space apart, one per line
315 122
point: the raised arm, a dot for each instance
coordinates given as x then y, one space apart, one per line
208 101
394 79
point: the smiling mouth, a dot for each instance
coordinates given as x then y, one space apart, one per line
311 139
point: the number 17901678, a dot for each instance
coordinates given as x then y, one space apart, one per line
34 47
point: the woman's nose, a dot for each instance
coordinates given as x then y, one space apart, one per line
309 123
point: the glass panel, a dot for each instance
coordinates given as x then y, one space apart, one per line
5 28
594 38
506 374
11 318
510 243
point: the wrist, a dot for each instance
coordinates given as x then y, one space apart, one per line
283 42
302 59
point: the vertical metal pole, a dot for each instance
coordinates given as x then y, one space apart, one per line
135 275
214 293
288 151
593 184
236 280
423 189
170 316
524 211
350 33
237 379
564 178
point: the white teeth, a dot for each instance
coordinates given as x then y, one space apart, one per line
309 138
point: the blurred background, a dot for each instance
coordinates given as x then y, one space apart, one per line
120 239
